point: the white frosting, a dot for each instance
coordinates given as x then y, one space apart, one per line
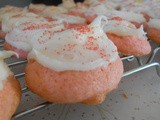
111 5
154 23
129 16
51 10
22 39
11 11
69 18
154 13
4 70
89 2
68 4
81 49
6 54
39 7
80 8
136 7
15 21
97 9
124 28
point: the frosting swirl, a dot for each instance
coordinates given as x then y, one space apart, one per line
82 48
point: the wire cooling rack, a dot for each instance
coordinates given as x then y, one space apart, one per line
141 66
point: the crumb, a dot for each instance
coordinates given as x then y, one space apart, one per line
124 95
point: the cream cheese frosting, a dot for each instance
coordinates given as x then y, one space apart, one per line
69 18
21 38
8 23
68 4
124 28
11 11
4 70
97 8
84 48
154 23
39 7
51 10
129 16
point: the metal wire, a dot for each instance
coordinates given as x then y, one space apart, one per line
1 45
139 61
25 89
17 63
155 51
143 67
28 111
19 75
127 58
43 105
1 42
